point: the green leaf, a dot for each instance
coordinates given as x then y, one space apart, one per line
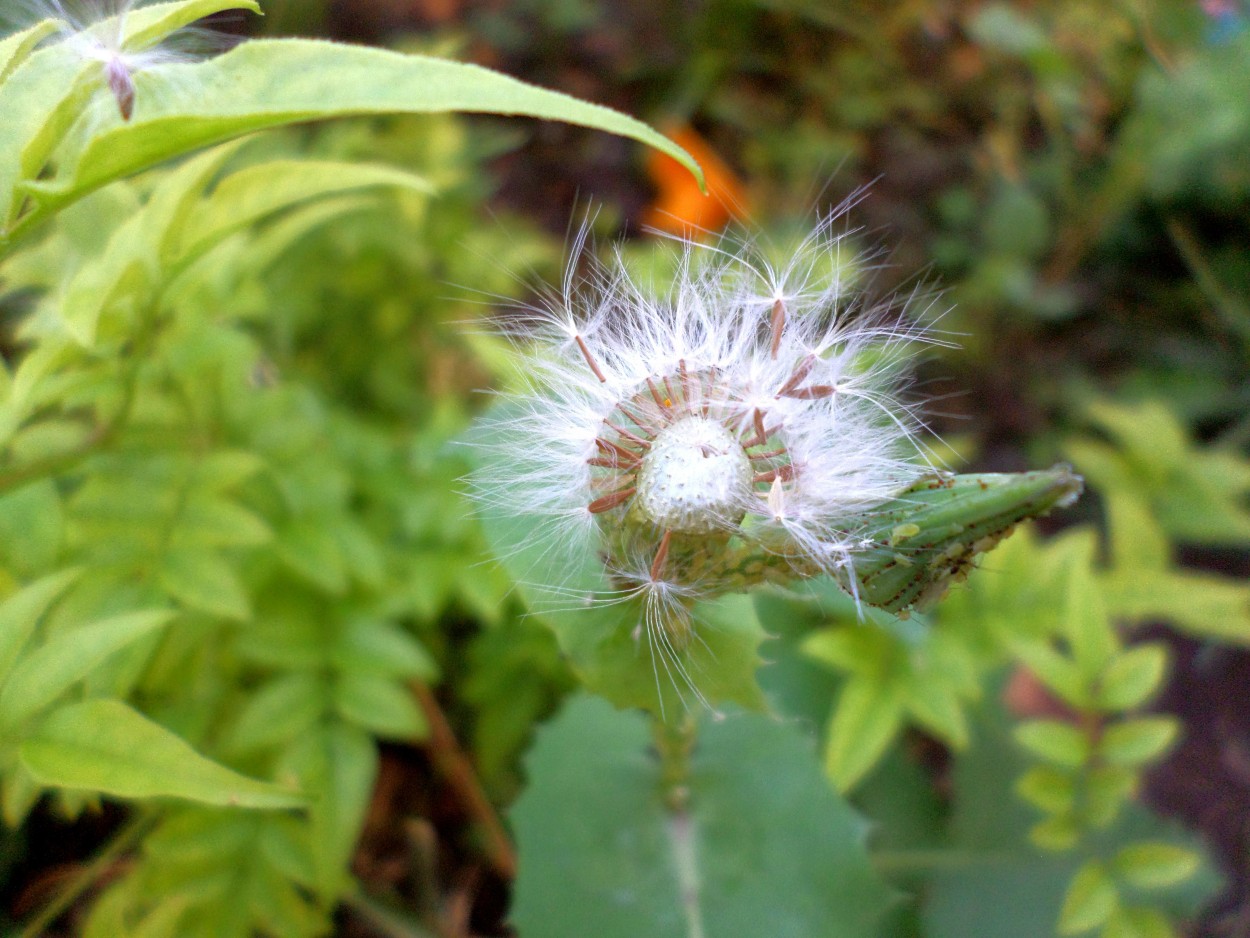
255 192
20 613
37 94
1061 832
337 765
41 676
1156 865
15 48
204 581
279 711
866 719
1108 789
20 793
226 469
937 708
760 847
145 27
1138 923
1133 677
309 550
1054 741
1202 605
127 271
1197 494
270 83
379 705
1091 900
1085 623
1143 583
1047 788
212 521
373 646
1061 675
105 746
1138 741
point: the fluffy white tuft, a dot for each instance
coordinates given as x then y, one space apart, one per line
793 348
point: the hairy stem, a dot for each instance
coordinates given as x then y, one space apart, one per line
675 742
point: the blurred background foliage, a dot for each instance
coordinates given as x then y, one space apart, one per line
1061 745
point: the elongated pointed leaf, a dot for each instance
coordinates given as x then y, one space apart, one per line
272 83
251 194
131 263
42 676
147 26
37 91
105 746
19 614
15 48
868 717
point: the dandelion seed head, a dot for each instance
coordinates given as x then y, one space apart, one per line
726 429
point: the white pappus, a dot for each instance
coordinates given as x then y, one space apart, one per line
727 430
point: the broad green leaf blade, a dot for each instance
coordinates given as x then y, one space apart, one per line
15 48
47 672
20 613
105 746
762 846
270 83
929 536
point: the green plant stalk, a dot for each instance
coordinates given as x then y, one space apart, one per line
675 743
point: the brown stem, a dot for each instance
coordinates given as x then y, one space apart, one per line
456 769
